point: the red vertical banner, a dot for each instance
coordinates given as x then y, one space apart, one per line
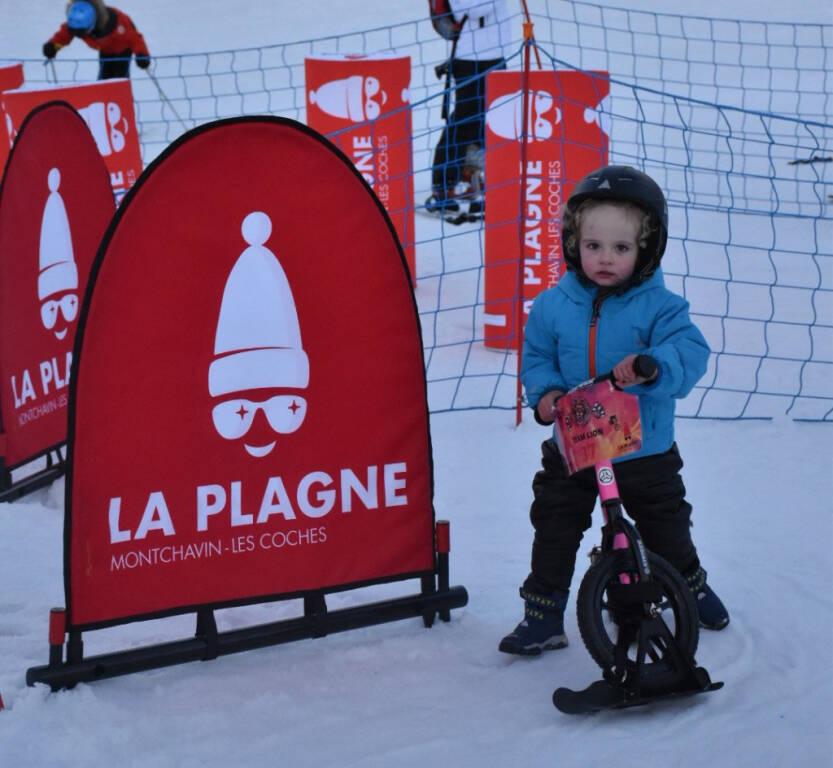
11 77
55 203
107 108
565 141
362 105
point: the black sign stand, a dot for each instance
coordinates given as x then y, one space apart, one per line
12 490
435 598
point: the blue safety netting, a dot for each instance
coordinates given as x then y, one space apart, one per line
732 118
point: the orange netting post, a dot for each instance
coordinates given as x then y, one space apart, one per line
529 42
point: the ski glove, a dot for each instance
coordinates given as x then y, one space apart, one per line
49 50
143 62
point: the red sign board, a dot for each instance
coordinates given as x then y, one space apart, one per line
242 426
362 105
107 108
11 77
55 203
566 141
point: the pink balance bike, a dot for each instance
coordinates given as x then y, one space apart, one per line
636 615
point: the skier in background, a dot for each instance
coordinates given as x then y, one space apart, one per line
106 29
483 32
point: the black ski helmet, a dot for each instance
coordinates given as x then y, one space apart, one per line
621 182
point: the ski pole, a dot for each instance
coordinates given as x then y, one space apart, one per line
165 99
50 65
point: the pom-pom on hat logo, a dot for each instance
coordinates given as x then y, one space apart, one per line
258 347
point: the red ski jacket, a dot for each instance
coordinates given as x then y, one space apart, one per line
119 36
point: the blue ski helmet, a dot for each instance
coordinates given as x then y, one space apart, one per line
81 17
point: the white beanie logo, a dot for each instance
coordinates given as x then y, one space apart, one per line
106 125
354 98
505 115
258 346
58 275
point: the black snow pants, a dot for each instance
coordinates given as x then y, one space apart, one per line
652 491
114 65
466 124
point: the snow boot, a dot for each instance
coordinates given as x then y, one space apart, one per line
710 608
542 628
477 208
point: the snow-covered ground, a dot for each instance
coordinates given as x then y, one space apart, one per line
402 695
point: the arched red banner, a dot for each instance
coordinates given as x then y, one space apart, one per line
248 414
55 204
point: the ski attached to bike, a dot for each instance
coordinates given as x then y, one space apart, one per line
623 687
603 695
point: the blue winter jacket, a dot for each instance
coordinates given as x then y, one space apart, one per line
646 319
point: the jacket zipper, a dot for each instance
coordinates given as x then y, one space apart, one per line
594 323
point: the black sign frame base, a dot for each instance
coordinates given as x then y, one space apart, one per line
435 598
13 490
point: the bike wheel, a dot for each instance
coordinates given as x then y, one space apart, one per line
599 629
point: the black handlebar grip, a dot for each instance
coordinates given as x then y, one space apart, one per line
645 366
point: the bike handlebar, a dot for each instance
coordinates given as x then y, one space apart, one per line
643 365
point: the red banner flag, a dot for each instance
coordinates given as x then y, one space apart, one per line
566 140
107 108
362 105
55 203
249 414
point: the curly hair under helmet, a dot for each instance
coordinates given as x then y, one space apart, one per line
624 184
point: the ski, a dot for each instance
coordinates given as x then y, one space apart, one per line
451 217
603 695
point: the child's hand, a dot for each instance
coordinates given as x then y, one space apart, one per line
624 374
546 406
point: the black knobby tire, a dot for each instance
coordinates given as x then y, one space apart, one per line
599 631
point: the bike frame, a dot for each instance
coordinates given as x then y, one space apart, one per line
618 533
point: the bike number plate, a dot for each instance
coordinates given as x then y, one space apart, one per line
596 422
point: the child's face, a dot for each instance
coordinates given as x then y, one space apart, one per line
608 244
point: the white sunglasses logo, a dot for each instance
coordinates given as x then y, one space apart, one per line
233 418
67 306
